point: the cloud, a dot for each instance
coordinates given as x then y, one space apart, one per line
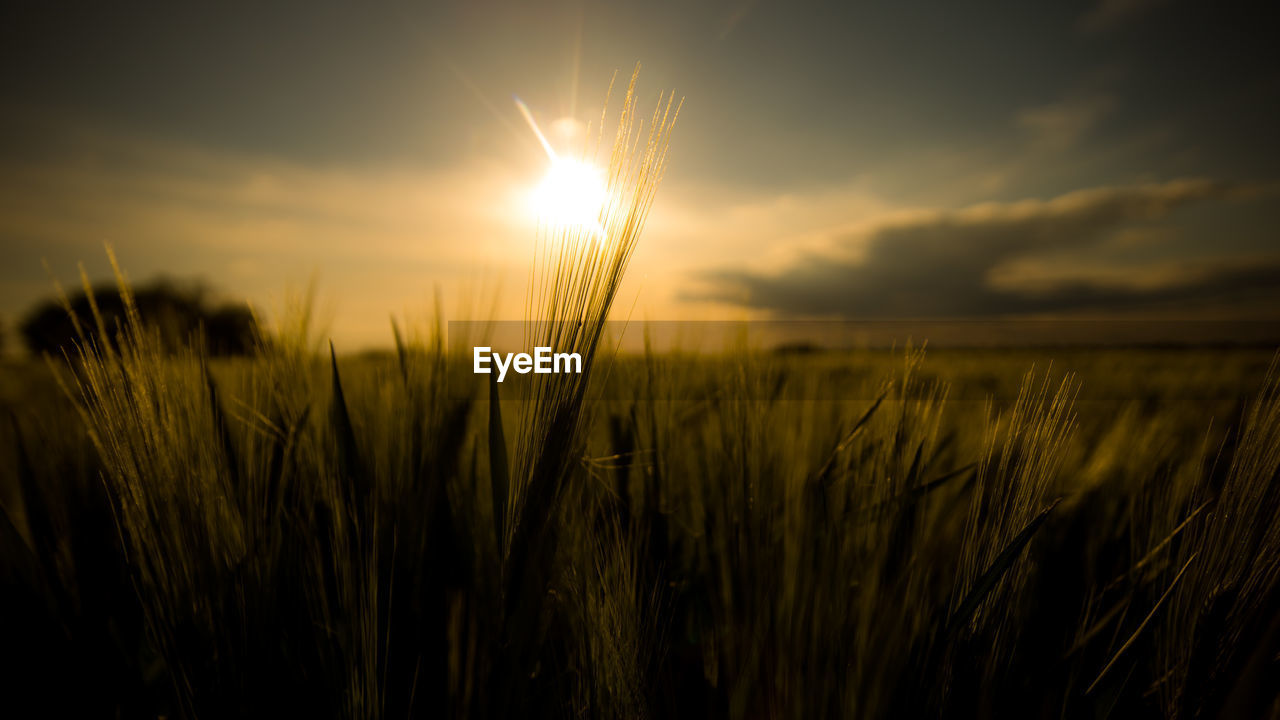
974 261
1060 125
1108 15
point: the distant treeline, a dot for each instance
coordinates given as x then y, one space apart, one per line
181 313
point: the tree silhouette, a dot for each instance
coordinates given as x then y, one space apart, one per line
180 314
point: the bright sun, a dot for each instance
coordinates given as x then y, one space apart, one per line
572 194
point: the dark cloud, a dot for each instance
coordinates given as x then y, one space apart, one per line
944 263
1107 15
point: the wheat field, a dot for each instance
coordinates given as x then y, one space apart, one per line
1047 532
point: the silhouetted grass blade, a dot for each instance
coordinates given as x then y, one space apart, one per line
401 352
499 473
991 577
825 471
220 427
40 524
1141 626
348 455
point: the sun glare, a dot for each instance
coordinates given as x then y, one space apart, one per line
571 194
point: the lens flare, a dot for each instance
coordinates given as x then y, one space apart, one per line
573 193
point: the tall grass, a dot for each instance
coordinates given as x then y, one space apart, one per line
1217 646
576 275
295 534
575 278
300 536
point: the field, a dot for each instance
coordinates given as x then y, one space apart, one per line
735 533
1053 532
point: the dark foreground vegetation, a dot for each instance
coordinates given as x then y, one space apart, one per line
746 536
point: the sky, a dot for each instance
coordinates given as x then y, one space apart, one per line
895 160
